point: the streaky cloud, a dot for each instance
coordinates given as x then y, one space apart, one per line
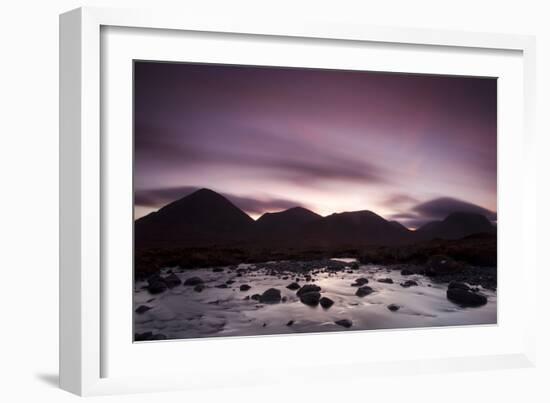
439 209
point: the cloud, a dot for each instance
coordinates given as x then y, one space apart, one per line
331 168
260 206
399 199
438 209
404 216
284 155
160 197
443 206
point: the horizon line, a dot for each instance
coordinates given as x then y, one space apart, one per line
298 206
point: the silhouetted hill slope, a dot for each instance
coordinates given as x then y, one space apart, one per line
354 228
456 225
398 225
201 217
285 223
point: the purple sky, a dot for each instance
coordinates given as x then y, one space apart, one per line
408 147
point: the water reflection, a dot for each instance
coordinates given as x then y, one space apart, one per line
182 312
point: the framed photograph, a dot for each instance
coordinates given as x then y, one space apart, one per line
236 193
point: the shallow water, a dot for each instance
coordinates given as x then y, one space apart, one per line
184 313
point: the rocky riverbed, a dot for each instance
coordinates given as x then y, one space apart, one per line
314 296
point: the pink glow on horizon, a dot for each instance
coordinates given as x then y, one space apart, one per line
330 141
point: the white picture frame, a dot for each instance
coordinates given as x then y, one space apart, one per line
85 343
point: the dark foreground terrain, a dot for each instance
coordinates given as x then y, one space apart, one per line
473 250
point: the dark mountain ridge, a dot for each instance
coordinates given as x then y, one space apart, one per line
456 225
283 225
353 228
206 218
201 217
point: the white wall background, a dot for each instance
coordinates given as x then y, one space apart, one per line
29 201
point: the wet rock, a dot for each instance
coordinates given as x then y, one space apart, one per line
271 296
459 285
217 269
293 286
360 281
255 297
199 288
244 287
364 291
326 302
308 288
466 298
354 266
157 288
409 283
172 281
149 336
247 298
440 265
385 280
310 298
142 309
193 281
221 286
156 284
406 272
290 323
344 323
229 282
393 307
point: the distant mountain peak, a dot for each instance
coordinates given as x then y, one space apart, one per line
457 225
298 210
202 216
360 215
204 192
292 216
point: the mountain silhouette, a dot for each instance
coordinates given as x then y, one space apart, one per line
206 218
284 224
398 225
456 225
203 217
354 228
